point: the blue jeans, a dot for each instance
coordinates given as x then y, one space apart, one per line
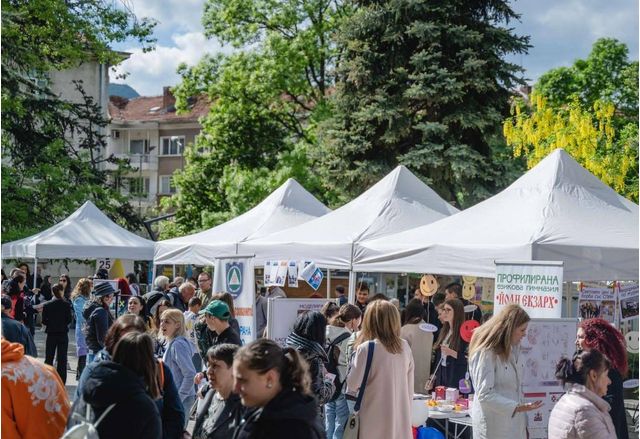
336 416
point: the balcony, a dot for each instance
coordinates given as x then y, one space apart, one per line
147 162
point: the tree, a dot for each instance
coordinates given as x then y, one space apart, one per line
266 100
423 84
591 110
52 148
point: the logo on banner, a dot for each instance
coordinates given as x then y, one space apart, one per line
234 278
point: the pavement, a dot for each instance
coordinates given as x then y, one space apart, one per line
72 360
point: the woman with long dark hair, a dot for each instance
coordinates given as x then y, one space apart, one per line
275 383
598 334
123 386
138 306
581 413
65 281
308 338
451 350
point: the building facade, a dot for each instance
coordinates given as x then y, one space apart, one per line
148 132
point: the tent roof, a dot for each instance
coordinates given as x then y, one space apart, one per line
289 205
397 202
85 234
556 211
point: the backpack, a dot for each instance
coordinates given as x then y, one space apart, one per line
154 298
86 429
333 353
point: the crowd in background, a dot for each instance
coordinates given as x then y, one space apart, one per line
150 363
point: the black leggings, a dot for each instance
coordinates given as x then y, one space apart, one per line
57 344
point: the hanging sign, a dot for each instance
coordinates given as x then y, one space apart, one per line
628 300
534 285
597 301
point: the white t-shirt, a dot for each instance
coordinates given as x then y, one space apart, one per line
190 319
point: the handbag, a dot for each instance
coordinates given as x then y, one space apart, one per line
352 429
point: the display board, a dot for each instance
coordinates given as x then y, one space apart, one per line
282 314
547 341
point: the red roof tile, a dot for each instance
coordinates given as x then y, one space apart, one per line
139 110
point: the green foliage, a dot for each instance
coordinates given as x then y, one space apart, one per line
51 148
267 99
422 84
591 110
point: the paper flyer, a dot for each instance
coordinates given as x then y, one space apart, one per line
628 297
301 266
312 275
597 301
281 273
274 272
292 274
267 273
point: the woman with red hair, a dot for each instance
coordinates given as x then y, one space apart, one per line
600 335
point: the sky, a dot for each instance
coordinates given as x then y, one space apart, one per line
561 31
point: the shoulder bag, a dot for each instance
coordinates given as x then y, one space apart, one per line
352 429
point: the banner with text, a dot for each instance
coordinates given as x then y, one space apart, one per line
535 286
628 296
236 276
597 300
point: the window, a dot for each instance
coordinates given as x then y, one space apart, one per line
166 185
139 146
139 186
173 145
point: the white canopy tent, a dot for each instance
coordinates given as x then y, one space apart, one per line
289 205
397 202
85 234
556 211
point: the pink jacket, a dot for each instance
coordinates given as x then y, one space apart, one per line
581 414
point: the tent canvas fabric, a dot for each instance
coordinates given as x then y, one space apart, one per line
397 202
85 234
557 211
289 205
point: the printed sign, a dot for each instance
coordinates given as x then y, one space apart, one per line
292 274
312 275
535 286
628 299
267 273
597 301
282 314
236 276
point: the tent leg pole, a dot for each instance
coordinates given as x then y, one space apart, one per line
35 272
328 283
352 287
173 268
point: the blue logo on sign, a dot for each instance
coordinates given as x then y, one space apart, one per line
234 278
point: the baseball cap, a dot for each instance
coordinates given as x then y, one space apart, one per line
217 308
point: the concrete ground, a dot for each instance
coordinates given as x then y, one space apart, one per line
72 361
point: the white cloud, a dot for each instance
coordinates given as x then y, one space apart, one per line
149 72
173 16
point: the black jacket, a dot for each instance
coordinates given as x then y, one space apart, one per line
98 320
16 332
615 399
56 316
227 417
455 368
288 415
134 416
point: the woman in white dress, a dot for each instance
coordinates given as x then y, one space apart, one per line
496 373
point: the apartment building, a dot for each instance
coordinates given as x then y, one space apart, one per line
148 132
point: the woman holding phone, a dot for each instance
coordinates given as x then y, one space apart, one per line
496 372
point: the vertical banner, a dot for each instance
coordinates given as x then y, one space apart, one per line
534 285
628 300
235 275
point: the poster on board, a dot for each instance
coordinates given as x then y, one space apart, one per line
547 341
282 314
628 299
534 285
292 274
235 275
597 301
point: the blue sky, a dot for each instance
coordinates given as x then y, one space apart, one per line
561 31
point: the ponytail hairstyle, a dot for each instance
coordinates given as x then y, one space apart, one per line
329 310
346 313
602 336
455 341
263 355
576 370
135 352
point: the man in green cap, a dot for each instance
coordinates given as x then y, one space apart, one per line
217 329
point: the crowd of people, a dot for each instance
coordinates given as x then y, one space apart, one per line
175 354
